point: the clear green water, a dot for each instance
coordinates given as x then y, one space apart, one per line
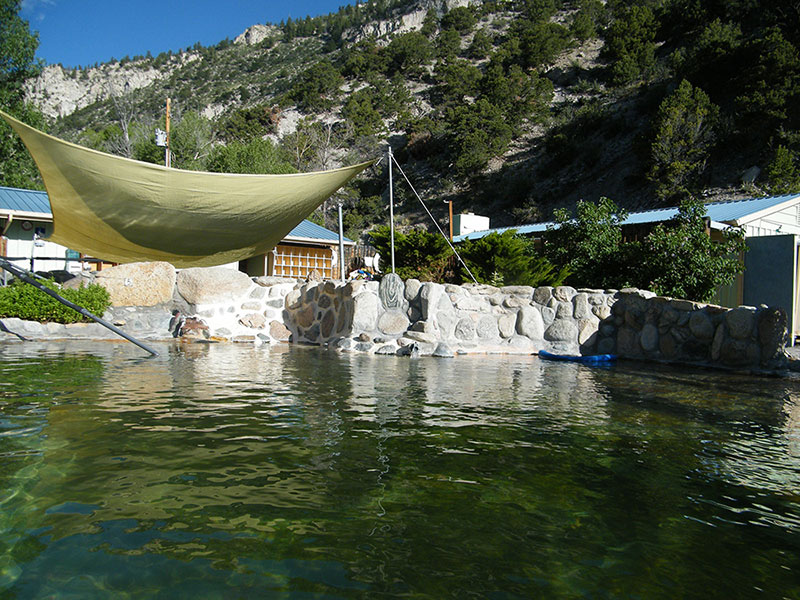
237 472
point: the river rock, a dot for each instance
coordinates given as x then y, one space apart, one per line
278 331
581 308
253 321
442 350
140 284
530 323
564 293
773 332
699 324
391 291
740 322
649 337
365 312
542 295
487 328
506 324
429 296
465 329
212 285
305 316
327 323
562 330
393 322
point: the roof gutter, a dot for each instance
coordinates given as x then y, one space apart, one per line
292 238
26 214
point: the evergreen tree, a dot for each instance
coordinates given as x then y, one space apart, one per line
685 135
508 258
17 63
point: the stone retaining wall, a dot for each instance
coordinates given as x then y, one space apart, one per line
416 318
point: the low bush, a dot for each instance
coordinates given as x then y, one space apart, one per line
24 301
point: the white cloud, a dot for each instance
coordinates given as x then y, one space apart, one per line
35 9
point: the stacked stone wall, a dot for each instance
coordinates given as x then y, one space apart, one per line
422 318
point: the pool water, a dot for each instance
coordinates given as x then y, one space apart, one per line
228 471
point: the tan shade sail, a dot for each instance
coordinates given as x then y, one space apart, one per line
123 210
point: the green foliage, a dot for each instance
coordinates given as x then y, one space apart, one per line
510 259
256 156
17 63
458 79
684 136
588 19
244 124
362 213
317 87
679 259
24 301
479 132
417 254
772 81
783 172
590 244
363 59
460 18
630 44
408 54
190 142
540 43
361 112
714 57
480 46
448 44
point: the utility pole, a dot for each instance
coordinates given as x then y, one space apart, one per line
450 205
169 158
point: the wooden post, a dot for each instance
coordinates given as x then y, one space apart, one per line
169 158
450 204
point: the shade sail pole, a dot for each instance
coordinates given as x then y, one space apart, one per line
19 273
391 208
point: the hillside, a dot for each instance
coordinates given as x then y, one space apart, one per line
508 109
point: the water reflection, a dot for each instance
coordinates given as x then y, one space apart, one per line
291 470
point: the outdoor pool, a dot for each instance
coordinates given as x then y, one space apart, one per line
228 471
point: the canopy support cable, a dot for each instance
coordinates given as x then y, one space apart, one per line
449 243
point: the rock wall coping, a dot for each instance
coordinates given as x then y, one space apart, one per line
423 318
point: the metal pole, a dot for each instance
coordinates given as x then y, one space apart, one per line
391 208
17 272
341 244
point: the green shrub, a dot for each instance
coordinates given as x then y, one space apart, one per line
24 301
508 259
418 254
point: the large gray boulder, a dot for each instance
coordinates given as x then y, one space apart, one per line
212 285
138 284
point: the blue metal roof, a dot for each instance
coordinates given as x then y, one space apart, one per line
24 200
309 230
722 212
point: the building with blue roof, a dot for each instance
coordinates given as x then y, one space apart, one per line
26 221
772 232
758 216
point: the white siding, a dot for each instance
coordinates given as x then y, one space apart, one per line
781 222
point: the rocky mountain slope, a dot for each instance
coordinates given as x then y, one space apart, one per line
508 109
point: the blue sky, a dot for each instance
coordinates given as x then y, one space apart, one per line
82 32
